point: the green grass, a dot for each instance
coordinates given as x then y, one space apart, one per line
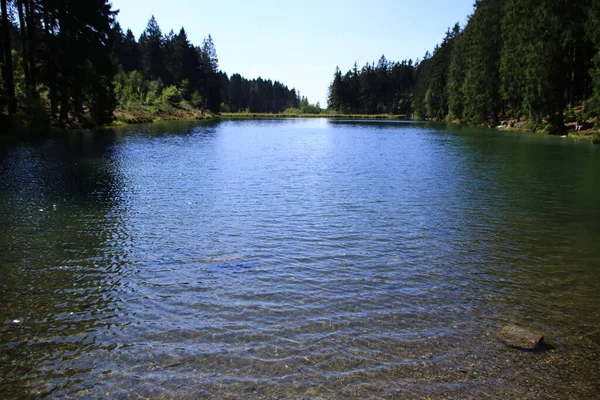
143 113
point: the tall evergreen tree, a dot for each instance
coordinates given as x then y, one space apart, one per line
534 69
151 48
335 95
480 90
86 68
210 69
7 64
456 79
436 96
593 34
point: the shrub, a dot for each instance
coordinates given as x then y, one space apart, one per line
171 96
196 100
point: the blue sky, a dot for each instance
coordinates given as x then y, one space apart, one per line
300 43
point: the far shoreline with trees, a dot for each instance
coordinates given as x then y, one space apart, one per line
66 64
522 63
69 64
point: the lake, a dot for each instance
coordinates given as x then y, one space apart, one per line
298 259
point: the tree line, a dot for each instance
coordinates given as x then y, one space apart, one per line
165 68
537 60
69 62
385 87
257 95
56 60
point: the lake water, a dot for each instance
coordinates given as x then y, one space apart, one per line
298 259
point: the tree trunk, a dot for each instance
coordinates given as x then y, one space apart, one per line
572 82
64 79
24 43
31 40
49 23
7 70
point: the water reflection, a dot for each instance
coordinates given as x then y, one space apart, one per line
64 257
297 258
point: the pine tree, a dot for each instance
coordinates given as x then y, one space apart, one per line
210 68
436 96
334 98
480 90
532 61
456 79
7 64
151 48
593 34
85 66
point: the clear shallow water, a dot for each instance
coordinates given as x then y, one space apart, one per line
298 259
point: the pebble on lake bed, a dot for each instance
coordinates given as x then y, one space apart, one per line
520 338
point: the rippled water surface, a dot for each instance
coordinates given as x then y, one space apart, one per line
298 259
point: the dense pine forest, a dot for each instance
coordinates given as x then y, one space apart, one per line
69 63
514 61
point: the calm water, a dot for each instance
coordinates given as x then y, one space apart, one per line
298 259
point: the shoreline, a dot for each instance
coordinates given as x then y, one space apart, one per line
149 116
322 115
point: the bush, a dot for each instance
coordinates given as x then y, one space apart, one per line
196 100
292 111
310 109
171 96
155 89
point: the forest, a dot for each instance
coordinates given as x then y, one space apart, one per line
69 63
516 61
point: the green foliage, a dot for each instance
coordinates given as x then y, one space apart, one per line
154 92
593 34
171 96
130 87
196 100
382 88
63 51
257 95
544 51
435 103
456 78
480 89
307 108
292 111
186 89
514 58
423 76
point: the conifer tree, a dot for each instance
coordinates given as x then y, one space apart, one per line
210 68
593 34
7 64
532 64
151 48
481 39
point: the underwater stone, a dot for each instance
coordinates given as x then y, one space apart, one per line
520 338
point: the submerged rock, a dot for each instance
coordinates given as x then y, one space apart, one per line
520 338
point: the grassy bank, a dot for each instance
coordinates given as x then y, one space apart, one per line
143 114
592 135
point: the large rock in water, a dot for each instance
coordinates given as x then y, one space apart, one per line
519 338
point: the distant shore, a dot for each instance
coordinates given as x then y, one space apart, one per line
151 114
321 115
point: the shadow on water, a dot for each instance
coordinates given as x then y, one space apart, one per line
383 124
181 128
64 256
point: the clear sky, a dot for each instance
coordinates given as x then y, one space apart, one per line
300 43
